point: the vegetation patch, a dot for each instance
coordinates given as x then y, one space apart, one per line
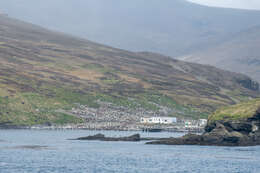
236 112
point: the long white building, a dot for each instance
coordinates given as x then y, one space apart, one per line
159 120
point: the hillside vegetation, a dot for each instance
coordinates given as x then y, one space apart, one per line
43 72
239 111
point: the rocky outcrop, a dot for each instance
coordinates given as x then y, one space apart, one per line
249 83
222 133
101 137
132 138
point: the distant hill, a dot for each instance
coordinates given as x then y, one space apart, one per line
43 72
170 27
239 54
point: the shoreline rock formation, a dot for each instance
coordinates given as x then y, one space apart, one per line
222 133
102 137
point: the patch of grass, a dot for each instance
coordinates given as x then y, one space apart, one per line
1 100
236 95
110 81
70 97
179 110
131 103
117 100
239 111
98 68
61 118
33 108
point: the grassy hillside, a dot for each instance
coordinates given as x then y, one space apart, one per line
43 72
239 111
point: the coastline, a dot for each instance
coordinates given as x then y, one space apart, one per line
80 127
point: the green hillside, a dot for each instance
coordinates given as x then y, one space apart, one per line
43 72
239 111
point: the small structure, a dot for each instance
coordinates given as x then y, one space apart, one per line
159 120
145 120
191 124
203 122
188 124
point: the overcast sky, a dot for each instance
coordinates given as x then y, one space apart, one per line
242 4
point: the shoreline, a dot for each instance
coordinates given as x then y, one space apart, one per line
70 127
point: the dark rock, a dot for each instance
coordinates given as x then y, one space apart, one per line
31 147
94 137
229 133
135 137
189 139
258 111
231 139
256 117
210 127
249 84
240 126
101 137
47 124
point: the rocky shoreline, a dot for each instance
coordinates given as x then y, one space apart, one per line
132 138
219 133
101 137
222 133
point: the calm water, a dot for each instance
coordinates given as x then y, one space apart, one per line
64 156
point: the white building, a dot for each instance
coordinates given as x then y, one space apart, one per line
188 124
159 120
203 122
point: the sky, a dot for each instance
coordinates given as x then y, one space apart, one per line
241 4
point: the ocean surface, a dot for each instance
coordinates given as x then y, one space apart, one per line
44 151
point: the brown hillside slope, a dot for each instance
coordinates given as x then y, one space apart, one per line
49 70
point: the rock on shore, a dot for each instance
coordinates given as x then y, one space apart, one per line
222 133
101 137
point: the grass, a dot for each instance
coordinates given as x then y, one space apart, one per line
32 108
69 97
236 112
98 68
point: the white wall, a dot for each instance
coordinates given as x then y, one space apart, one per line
159 120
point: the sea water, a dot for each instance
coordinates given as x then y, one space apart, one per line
45 151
